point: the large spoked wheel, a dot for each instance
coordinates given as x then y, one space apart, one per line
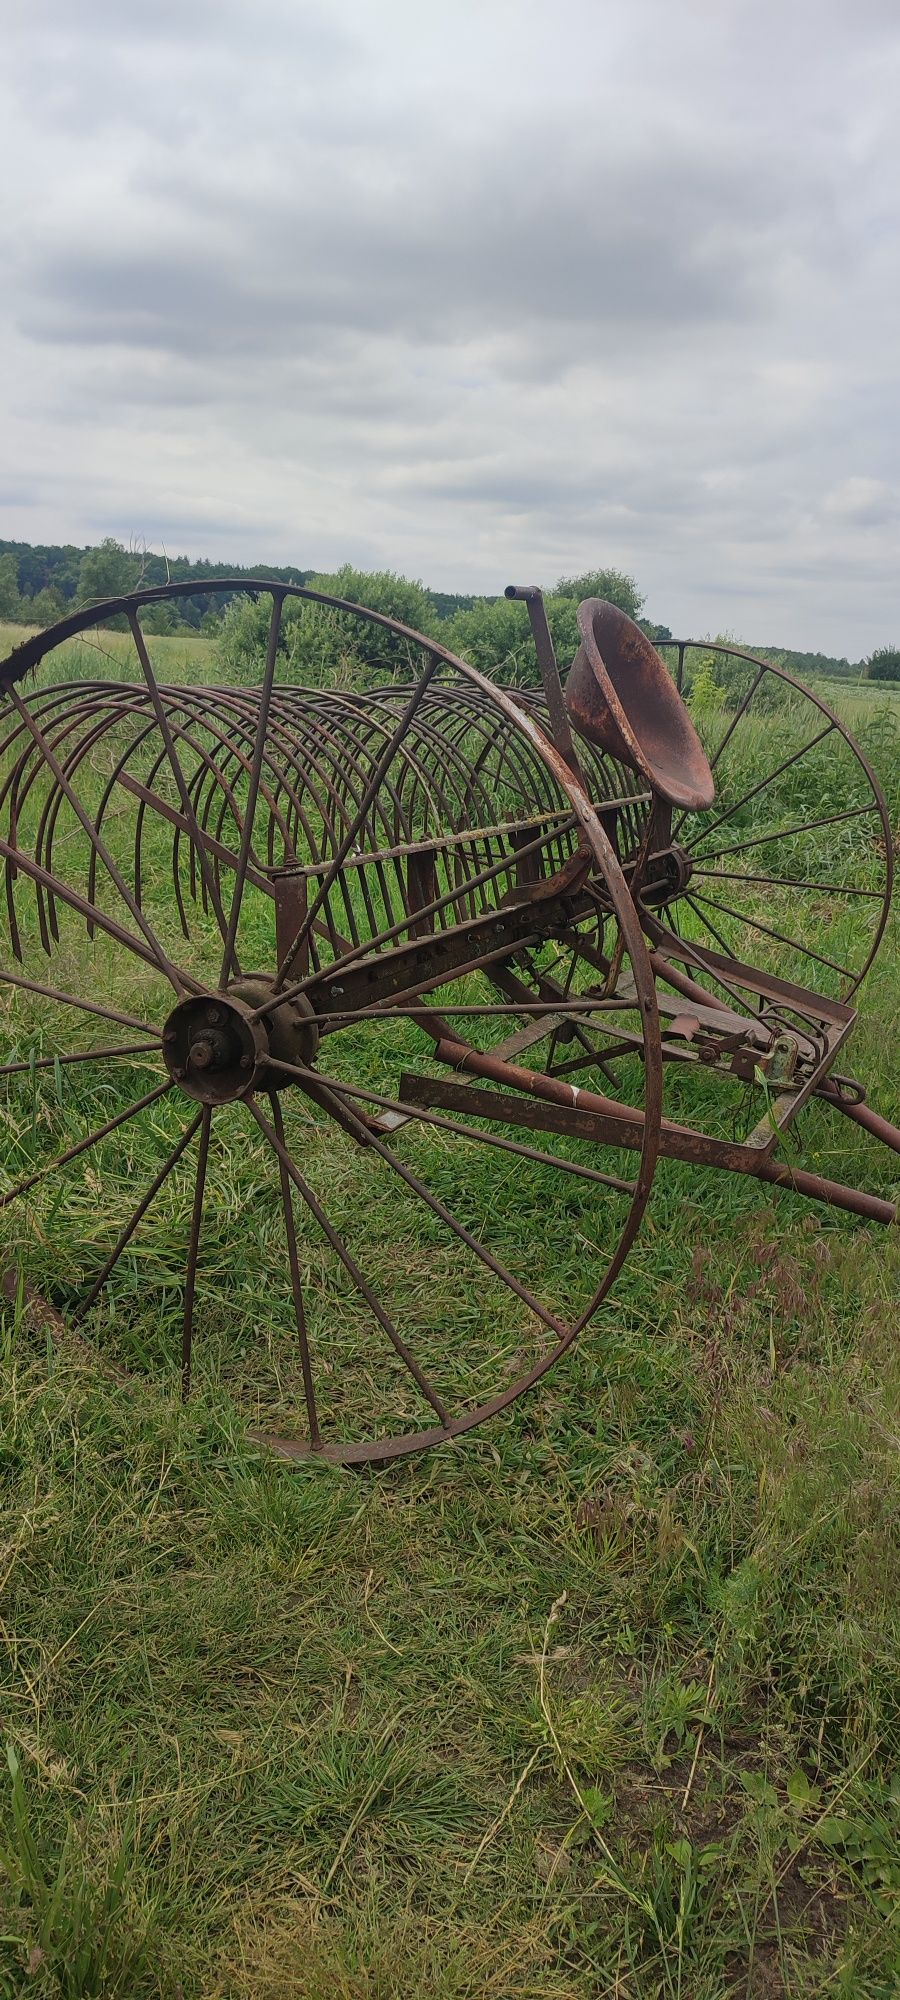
791 869
252 936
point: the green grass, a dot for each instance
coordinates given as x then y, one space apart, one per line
110 656
601 1702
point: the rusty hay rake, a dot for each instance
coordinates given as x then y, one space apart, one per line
472 957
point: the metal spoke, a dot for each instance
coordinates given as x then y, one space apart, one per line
84 1145
81 1056
708 925
190 1279
787 832
764 783
86 1006
420 1115
582 1005
566 994
262 724
321 1095
695 954
739 712
787 882
131 1225
793 944
287 1203
161 957
350 1264
162 719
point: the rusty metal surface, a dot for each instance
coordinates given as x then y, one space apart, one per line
619 696
520 881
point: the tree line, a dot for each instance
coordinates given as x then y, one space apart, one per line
40 583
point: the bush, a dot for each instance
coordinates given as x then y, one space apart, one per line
883 665
325 648
320 647
733 677
328 647
495 636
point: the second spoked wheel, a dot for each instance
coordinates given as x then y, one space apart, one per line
791 868
244 928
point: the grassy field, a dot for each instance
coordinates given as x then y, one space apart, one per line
603 1701
101 656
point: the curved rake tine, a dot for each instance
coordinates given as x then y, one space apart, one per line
161 958
350 1264
24 864
86 1006
265 701
138 1215
84 1145
190 1280
315 1436
357 822
177 773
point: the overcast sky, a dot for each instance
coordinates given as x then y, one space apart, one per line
478 290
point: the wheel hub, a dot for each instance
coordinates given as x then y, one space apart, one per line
668 876
216 1051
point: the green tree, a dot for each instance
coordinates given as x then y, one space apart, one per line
884 664
45 607
160 618
612 584
495 636
106 571
10 601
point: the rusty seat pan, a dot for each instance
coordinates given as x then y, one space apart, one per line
619 696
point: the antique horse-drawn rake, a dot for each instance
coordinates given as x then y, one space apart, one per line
415 964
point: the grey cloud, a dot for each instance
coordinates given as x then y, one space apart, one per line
307 284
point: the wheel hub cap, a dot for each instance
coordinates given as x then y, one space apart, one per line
216 1051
